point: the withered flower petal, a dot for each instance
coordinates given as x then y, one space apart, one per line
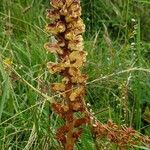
77 93
58 108
64 11
75 6
75 72
76 44
61 41
70 35
79 79
54 67
55 28
77 24
81 121
78 57
57 4
58 87
76 134
53 14
77 106
65 80
53 48
73 12
69 2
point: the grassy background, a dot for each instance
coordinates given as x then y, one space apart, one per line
118 66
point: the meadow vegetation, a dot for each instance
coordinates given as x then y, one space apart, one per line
118 67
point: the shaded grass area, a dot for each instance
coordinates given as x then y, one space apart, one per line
118 67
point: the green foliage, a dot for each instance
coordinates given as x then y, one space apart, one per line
117 15
117 41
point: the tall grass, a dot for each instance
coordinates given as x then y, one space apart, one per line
117 40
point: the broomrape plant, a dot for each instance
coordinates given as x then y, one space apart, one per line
67 27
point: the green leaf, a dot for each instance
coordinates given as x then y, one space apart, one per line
141 147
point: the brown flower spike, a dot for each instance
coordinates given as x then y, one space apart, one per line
67 28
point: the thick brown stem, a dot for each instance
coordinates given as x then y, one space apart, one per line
69 139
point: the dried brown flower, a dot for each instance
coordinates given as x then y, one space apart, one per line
67 27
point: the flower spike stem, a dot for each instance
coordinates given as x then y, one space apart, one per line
67 28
